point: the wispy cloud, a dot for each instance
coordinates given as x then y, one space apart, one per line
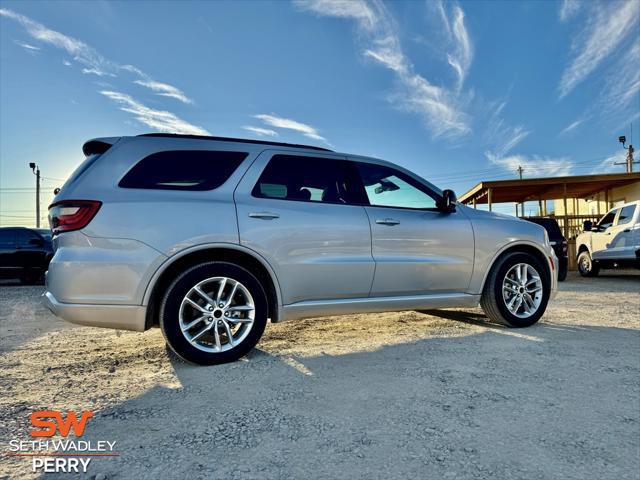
571 127
499 135
608 165
261 131
96 71
440 107
533 165
27 46
568 8
160 120
610 23
165 90
93 62
458 41
622 83
288 124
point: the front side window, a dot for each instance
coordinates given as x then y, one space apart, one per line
306 179
183 170
626 214
387 187
607 220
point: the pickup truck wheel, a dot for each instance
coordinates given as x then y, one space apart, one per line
517 290
213 313
586 266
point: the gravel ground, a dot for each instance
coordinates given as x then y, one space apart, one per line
403 395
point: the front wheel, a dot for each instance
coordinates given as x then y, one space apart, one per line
586 266
517 290
213 313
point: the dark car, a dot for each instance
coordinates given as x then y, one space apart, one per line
25 253
557 241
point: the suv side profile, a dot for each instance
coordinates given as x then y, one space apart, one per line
613 242
211 237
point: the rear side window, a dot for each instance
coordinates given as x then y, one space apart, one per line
305 179
626 214
183 170
7 239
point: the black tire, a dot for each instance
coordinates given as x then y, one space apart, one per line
586 266
170 308
492 300
562 272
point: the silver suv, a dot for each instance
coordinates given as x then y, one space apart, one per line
210 237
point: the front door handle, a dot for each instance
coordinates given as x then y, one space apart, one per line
264 215
387 221
628 230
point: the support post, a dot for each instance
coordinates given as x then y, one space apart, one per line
489 199
566 218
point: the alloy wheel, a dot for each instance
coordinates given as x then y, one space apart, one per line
522 290
217 314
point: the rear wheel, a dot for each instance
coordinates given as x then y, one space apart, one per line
517 290
586 267
213 313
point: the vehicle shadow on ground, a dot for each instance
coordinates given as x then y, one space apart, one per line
471 405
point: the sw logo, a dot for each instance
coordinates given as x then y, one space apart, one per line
49 422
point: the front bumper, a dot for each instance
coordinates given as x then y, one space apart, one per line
123 317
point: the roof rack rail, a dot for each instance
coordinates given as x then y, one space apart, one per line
230 139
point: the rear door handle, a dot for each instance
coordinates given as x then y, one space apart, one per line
387 221
264 215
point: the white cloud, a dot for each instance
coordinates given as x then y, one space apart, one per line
94 62
261 131
610 24
27 46
622 84
165 90
66 63
608 165
460 45
568 8
160 120
286 123
501 136
96 71
533 165
571 127
439 107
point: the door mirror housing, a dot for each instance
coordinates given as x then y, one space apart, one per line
587 226
447 203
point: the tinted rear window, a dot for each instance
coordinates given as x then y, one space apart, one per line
183 170
549 224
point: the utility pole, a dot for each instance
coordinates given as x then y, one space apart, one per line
520 170
36 170
629 160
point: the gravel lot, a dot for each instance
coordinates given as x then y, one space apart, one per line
404 395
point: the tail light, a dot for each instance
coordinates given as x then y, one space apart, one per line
70 215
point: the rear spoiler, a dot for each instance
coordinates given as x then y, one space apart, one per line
99 145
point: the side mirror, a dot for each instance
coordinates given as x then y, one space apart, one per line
447 203
587 226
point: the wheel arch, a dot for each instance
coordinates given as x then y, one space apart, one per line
232 253
526 247
583 247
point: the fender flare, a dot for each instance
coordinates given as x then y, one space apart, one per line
508 246
212 246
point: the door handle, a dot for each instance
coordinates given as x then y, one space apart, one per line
627 230
264 215
387 221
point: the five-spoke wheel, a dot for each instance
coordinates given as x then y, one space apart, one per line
213 313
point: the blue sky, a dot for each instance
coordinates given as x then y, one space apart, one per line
456 91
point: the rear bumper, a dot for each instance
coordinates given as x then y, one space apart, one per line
123 317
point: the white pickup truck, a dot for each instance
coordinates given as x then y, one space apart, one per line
613 242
